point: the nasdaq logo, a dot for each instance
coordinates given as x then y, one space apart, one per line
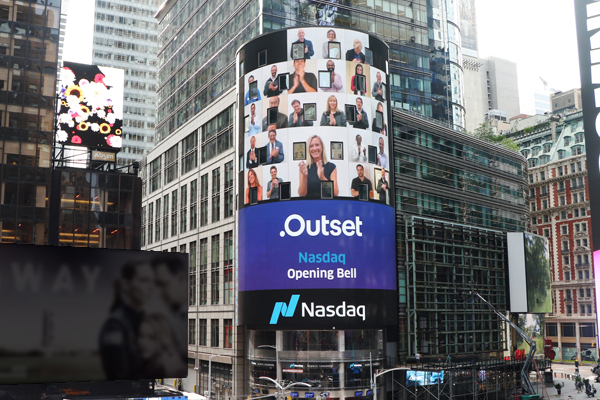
285 310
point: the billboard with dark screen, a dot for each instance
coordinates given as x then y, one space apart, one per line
90 106
82 314
313 128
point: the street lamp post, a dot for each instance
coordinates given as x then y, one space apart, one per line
283 388
276 358
210 373
377 375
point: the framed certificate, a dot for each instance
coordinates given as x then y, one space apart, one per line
285 191
361 83
299 151
272 115
363 192
253 90
246 123
310 112
379 120
368 56
372 155
326 189
334 50
350 113
337 150
262 58
325 79
298 51
284 81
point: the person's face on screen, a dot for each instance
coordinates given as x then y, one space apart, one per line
273 173
170 286
297 107
379 77
383 174
381 145
380 107
141 285
274 71
250 80
357 47
147 341
358 139
331 36
361 172
274 102
315 149
359 104
299 65
330 66
252 142
332 104
253 109
301 35
251 178
272 136
359 69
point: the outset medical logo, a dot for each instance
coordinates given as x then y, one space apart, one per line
313 310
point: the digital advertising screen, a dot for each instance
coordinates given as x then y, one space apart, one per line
90 106
422 378
83 314
313 129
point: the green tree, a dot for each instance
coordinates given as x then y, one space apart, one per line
486 133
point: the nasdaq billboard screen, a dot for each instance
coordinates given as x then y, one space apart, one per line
313 129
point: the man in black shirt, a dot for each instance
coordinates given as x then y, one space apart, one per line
301 81
362 120
360 179
272 84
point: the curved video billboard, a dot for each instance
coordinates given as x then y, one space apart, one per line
313 129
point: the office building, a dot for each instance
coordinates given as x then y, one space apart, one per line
560 210
29 55
569 100
191 202
125 36
490 84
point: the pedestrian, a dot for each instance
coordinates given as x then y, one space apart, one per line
418 358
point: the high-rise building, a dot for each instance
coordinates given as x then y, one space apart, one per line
125 36
490 85
191 202
560 210
569 100
29 55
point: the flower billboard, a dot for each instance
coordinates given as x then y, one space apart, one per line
90 106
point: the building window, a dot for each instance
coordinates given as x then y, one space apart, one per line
546 218
229 189
190 152
203 292
214 333
572 168
564 229
563 215
228 265
569 311
227 334
543 175
579 274
551 329
215 264
191 331
587 274
567 276
171 164
202 330
217 135
157 221
563 200
174 206
183 212
216 194
204 200
547 233
531 178
166 216
150 222
567 141
545 204
566 260
192 290
143 233
193 204
533 206
155 175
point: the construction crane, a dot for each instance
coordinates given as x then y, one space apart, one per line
532 346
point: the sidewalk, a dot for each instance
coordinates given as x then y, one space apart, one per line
569 391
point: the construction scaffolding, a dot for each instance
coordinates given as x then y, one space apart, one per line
474 380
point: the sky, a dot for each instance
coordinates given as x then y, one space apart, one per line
539 35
